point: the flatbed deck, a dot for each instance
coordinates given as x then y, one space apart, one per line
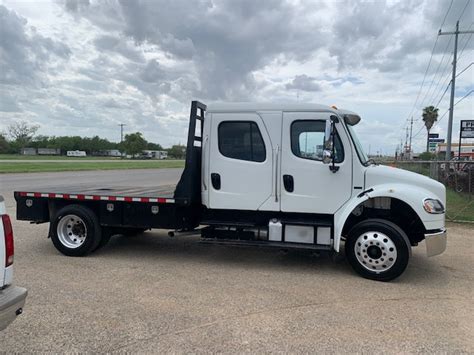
160 194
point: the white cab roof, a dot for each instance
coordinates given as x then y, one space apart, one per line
257 106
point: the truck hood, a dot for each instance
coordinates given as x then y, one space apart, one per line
382 174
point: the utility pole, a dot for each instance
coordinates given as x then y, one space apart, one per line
121 131
453 85
406 141
121 136
411 134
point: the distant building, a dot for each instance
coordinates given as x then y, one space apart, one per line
467 150
49 151
41 151
110 153
155 154
28 151
76 153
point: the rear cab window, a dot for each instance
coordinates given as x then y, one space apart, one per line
241 140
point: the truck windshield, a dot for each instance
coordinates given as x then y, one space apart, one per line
360 151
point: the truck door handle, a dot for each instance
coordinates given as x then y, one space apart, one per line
216 181
288 183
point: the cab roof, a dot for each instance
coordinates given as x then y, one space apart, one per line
258 106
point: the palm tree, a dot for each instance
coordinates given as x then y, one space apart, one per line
430 116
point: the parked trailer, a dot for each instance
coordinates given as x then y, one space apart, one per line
76 153
273 175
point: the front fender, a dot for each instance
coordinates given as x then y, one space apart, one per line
411 195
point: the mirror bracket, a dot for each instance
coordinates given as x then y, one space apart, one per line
334 118
330 143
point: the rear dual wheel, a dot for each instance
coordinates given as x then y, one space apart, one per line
75 231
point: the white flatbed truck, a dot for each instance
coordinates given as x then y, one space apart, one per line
275 175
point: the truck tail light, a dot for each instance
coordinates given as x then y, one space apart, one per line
8 231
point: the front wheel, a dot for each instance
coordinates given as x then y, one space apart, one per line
377 249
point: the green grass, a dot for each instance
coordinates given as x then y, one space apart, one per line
51 157
35 167
420 168
459 206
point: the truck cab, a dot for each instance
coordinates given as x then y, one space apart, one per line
304 166
274 175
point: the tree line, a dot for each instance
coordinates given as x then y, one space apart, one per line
23 135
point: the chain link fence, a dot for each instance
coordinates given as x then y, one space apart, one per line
457 176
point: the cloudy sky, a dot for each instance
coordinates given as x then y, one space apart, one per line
81 67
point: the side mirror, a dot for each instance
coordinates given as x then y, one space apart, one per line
329 152
328 137
328 142
327 156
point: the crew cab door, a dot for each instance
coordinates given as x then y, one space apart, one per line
242 162
308 185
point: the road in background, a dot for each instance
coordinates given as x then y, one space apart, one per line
78 160
152 293
109 178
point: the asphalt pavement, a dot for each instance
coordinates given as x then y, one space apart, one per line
152 293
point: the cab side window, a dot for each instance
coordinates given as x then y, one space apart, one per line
307 140
241 140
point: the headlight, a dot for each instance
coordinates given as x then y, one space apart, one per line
433 206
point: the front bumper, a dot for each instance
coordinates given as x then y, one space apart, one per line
436 242
12 301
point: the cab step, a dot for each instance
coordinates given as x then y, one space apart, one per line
265 244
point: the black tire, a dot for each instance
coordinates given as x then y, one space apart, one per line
374 228
105 238
93 233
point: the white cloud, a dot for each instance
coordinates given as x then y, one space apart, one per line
82 67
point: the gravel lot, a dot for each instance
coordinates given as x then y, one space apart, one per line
152 293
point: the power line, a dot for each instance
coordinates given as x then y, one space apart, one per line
447 12
437 69
466 68
447 81
440 99
444 114
423 81
439 88
429 64
432 101
465 6
444 93
462 98
418 132
465 43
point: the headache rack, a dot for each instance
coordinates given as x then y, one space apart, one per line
188 189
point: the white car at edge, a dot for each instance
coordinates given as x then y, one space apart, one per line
12 298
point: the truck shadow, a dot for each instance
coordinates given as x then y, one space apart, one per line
156 247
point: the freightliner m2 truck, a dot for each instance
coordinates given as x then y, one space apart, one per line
275 175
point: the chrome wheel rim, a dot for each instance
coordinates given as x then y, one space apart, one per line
72 231
375 251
